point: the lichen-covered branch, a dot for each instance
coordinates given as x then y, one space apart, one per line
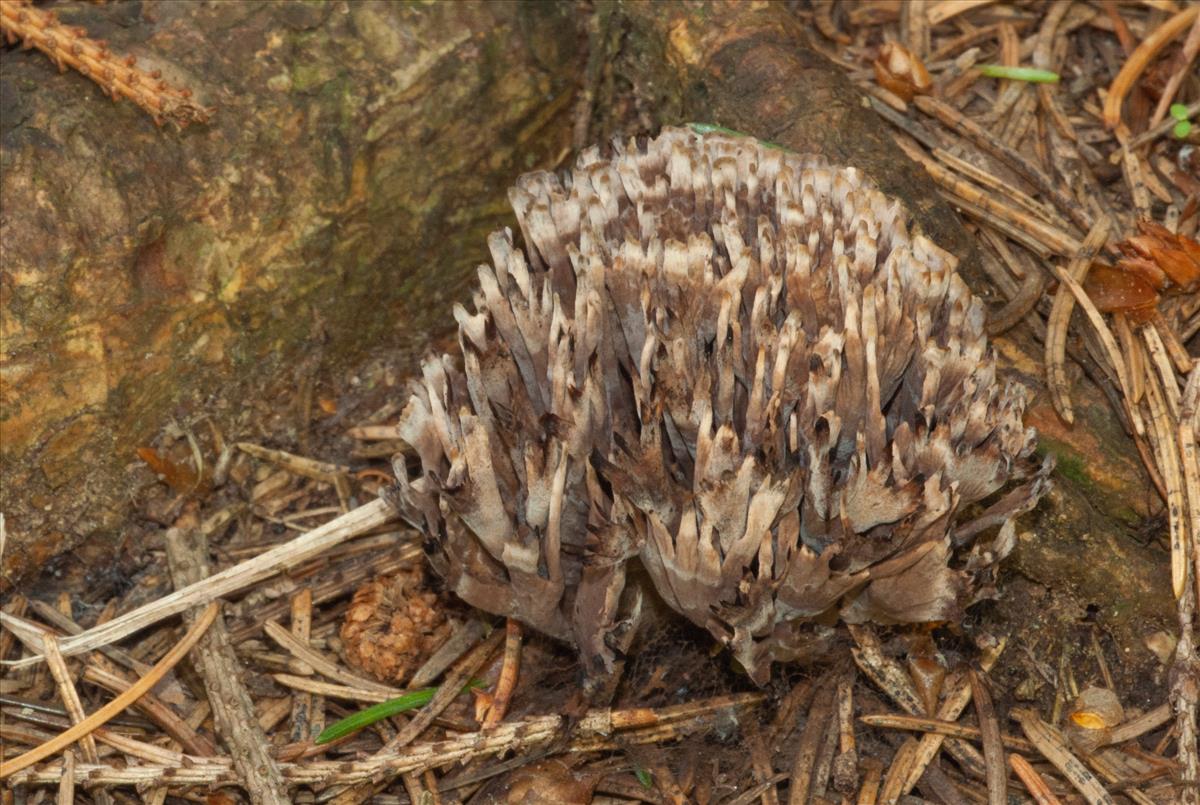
119 76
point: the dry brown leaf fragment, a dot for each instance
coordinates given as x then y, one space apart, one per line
393 625
1155 262
1125 290
177 475
899 71
1175 257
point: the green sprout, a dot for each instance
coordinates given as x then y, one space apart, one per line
644 777
1183 126
1031 74
378 712
711 128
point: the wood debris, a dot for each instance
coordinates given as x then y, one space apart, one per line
119 76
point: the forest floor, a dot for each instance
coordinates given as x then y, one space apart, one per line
1040 178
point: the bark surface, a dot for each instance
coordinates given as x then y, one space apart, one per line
339 199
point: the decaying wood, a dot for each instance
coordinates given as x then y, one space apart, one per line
215 660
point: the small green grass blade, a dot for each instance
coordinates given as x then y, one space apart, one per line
365 718
1030 74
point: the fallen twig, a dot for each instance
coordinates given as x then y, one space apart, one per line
218 666
118 76
238 577
594 732
118 704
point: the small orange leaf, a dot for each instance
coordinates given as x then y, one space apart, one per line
1089 721
1115 289
179 477
1175 257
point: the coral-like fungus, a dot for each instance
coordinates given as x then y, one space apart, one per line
736 363
392 626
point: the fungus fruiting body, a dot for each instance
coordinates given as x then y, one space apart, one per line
735 364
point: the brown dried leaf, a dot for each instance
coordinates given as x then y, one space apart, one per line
899 71
1125 289
1176 256
178 476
